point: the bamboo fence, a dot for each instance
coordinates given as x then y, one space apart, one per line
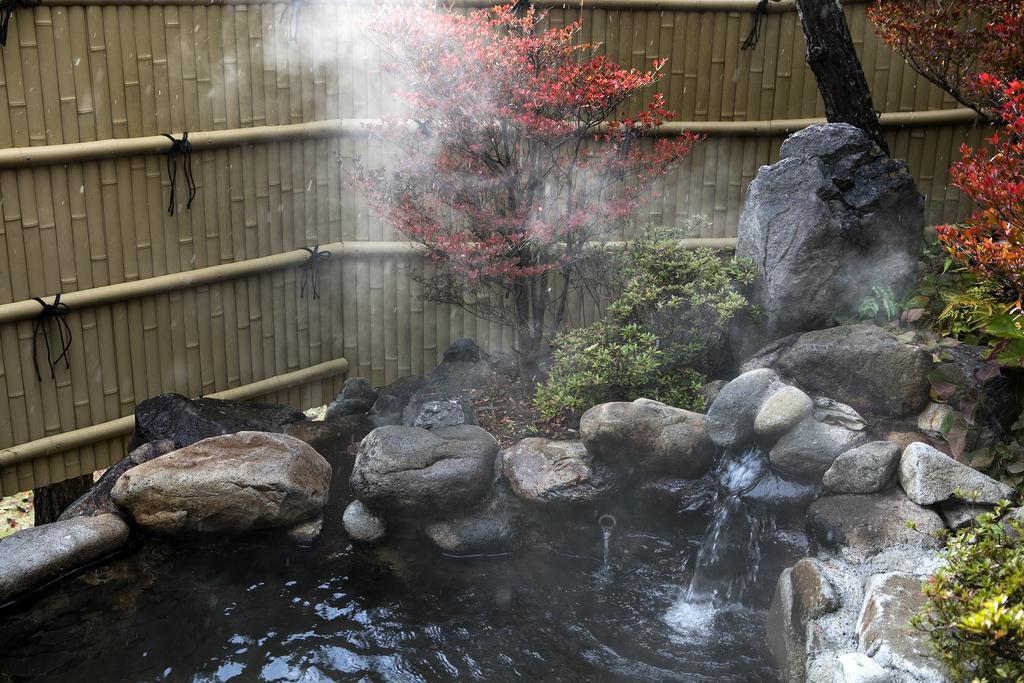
207 299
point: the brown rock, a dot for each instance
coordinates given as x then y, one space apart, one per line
648 436
227 484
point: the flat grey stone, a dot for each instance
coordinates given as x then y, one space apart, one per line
868 468
33 557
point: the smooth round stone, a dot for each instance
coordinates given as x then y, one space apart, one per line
782 411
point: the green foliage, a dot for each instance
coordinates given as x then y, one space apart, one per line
881 305
660 336
958 304
975 610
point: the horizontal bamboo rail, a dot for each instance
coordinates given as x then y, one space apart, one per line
43 155
161 284
638 5
123 426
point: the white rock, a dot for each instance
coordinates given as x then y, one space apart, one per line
857 667
930 476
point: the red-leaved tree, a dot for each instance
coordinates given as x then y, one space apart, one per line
974 50
952 42
514 158
991 244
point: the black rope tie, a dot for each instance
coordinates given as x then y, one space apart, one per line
184 148
55 312
7 8
311 270
755 29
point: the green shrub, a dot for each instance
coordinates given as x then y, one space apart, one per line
659 337
975 610
956 303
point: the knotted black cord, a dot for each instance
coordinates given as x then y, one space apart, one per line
56 312
183 147
7 8
755 30
311 270
292 12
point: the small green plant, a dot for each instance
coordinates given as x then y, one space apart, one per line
659 338
974 616
881 304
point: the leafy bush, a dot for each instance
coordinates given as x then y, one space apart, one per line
991 243
660 336
975 610
957 303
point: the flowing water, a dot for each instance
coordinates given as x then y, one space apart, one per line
678 601
729 557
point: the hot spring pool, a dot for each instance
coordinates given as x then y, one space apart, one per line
263 610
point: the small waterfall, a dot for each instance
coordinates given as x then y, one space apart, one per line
607 524
607 537
729 554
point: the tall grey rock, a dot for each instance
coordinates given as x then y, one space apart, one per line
833 218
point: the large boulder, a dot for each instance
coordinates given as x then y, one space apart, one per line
865 525
226 485
186 421
648 436
884 629
413 471
97 500
730 419
832 219
930 476
810 449
862 365
33 557
545 471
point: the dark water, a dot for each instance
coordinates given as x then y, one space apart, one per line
262 610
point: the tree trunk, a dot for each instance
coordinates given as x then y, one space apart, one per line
50 501
837 69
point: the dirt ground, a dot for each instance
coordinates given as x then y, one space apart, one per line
507 412
15 513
